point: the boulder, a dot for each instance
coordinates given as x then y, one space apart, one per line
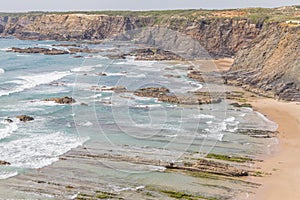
8 120
25 118
62 100
4 162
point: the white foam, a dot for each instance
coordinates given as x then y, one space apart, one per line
8 130
96 96
273 126
6 175
86 124
114 74
229 119
83 69
2 71
36 151
136 75
203 116
31 81
131 61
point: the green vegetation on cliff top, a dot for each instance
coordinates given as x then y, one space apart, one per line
254 14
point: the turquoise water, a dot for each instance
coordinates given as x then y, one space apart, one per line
121 122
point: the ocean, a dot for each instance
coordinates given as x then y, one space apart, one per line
111 123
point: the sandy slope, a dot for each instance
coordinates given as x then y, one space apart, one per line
284 183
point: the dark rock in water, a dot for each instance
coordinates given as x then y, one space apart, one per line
154 54
66 45
196 75
8 120
36 50
25 118
172 76
153 92
62 100
84 104
164 95
101 74
244 105
116 56
4 162
257 133
77 56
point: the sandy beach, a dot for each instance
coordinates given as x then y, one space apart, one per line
284 162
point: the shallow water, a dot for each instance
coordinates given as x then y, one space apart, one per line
112 123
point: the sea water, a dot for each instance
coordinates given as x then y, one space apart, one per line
118 122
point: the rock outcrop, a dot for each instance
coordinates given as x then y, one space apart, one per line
4 162
62 100
271 65
44 51
212 167
164 95
25 118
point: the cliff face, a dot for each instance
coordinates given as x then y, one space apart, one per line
221 37
271 64
266 54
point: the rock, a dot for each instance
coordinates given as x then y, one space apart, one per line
212 167
37 50
117 89
62 100
84 104
84 50
154 54
77 56
164 95
196 75
171 76
101 74
244 105
152 92
190 68
8 120
66 45
4 162
257 133
25 118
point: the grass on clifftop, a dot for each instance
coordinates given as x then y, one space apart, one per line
255 15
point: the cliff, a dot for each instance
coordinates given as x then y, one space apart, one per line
265 47
271 64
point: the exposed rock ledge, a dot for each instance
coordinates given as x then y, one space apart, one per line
62 100
164 95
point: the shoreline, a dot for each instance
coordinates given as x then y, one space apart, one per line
281 168
283 163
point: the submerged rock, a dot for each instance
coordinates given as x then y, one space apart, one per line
62 100
25 118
